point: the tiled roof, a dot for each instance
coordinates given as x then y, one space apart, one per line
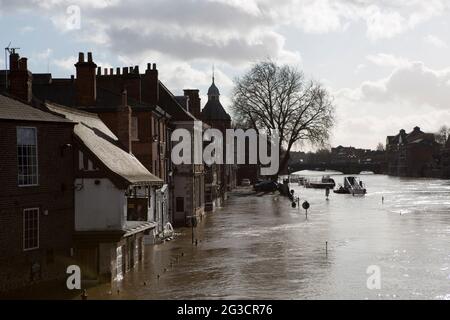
11 109
97 137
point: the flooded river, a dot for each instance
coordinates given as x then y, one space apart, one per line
258 247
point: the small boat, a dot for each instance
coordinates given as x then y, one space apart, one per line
325 183
351 186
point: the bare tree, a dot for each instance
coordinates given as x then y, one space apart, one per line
442 135
380 147
272 97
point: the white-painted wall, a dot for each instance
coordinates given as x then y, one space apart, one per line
99 207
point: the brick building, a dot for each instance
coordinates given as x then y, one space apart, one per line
36 194
155 113
100 91
114 197
412 154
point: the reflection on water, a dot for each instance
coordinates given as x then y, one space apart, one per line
259 247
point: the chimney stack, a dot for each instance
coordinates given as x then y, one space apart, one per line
20 79
86 85
194 101
124 123
150 85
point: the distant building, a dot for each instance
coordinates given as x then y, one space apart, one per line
36 194
445 160
411 154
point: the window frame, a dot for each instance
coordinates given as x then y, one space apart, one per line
24 230
37 157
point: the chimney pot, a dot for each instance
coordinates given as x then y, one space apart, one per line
99 71
20 79
154 66
148 66
136 69
80 57
125 70
13 61
106 71
118 71
89 56
23 64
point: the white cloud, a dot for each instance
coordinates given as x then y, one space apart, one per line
435 41
387 60
413 94
66 63
26 29
360 67
43 55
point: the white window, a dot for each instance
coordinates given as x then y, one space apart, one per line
27 156
134 129
30 229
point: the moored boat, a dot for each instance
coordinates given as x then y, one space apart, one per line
351 186
325 183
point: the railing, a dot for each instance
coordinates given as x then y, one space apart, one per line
355 187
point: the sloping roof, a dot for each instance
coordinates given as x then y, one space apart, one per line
214 110
11 109
170 104
97 137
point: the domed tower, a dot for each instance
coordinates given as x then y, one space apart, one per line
216 117
213 113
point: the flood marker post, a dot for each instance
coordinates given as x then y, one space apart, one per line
305 206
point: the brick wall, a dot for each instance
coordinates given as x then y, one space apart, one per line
54 197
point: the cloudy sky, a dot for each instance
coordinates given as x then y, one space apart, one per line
386 62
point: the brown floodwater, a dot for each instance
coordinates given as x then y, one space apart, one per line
259 247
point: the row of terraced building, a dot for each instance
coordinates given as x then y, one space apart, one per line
86 175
